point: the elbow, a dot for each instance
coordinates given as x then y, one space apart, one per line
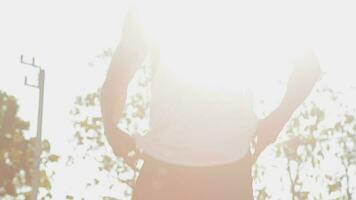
104 90
106 93
106 102
314 72
114 83
309 68
314 68
102 95
317 71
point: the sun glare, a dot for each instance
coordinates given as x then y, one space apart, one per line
223 45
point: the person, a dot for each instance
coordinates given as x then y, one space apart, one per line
202 123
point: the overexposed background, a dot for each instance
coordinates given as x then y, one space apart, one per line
66 38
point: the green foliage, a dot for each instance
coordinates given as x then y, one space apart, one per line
307 144
319 135
90 141
319 138
16 153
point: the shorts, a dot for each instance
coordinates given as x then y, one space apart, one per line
159 180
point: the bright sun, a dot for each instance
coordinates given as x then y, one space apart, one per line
223 45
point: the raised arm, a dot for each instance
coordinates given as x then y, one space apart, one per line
302 80
128 56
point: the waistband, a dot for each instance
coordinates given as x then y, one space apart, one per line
245 162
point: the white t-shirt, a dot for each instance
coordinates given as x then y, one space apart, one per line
213 53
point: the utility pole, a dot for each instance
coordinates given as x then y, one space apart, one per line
38 147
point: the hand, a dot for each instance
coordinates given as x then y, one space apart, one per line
123 146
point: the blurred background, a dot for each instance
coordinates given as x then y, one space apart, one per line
73 41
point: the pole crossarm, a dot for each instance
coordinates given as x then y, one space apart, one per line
32 64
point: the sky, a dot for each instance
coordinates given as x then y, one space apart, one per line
66 36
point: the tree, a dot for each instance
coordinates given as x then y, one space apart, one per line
90 141
16 154
302 151
317 147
